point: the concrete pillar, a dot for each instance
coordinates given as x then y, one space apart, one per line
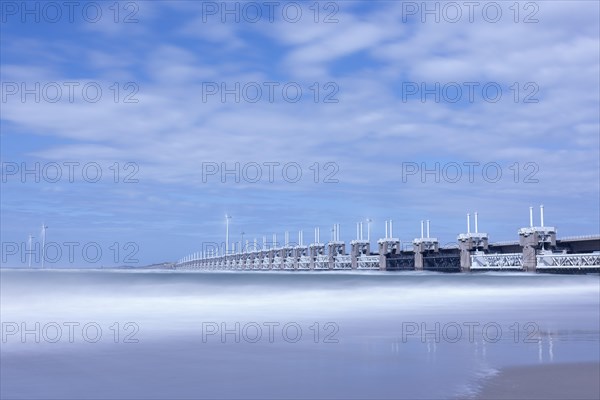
315 249
292 256
298 252
358 248
334 249
387 247
271 255
529 256
528 239
287 255
278 253
468 243
261 258
535 240
418 257
382 255
465 256
422 246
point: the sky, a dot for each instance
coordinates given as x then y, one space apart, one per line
130 129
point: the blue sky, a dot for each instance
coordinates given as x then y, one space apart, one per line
166 124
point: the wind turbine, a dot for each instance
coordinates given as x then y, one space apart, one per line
227 218
44 227
30 250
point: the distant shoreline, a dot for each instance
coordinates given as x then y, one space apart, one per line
164 265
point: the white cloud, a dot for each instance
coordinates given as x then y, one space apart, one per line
369 133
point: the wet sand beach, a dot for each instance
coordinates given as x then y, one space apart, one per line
553 381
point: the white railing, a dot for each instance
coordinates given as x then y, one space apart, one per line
266 263
304 263
368 262
322 262
342 262
497 261
276 262
552 261
289 262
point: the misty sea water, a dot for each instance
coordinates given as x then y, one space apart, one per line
173 334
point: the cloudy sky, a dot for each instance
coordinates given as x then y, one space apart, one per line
137 127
